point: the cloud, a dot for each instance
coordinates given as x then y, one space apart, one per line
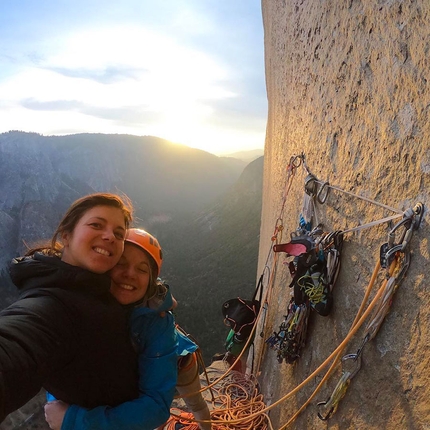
107 75
53 105
136 116
121 115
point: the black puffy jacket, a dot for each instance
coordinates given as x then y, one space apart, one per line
67 334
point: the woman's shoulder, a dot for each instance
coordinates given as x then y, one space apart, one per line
41 271
148 321
151 330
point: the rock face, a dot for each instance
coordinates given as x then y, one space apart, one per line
347 86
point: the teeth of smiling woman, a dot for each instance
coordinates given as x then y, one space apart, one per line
127 287
102 251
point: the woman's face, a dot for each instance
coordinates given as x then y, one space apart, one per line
97 241
131 276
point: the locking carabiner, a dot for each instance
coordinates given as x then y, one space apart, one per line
411 220
356 358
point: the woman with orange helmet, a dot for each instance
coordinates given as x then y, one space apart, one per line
158 297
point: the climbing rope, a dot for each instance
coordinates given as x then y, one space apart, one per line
383 307
336 359
329 407
294 163
399 265
237 397
311 182
323 365
234 420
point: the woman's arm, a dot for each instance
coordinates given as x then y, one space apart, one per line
31 343
157 345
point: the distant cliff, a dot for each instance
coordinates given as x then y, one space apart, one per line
215 258
347 84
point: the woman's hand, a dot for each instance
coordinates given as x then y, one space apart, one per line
54 413
174 304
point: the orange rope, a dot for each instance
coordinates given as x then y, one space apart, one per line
250 412
247 411
237 399
338 356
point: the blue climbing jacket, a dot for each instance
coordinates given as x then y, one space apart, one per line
185 345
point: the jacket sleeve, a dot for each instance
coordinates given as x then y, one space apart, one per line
31 344
157 345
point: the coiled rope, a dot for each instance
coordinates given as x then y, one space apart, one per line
236 400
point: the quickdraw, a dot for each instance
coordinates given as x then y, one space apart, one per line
395 256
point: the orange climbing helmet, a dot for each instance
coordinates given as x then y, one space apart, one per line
148 243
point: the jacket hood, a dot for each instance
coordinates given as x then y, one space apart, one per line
43 271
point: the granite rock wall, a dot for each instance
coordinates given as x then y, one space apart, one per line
347 86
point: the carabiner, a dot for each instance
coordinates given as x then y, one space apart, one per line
320 191
329 413
343 383
419 213
363 343
411 220
294 162
357 359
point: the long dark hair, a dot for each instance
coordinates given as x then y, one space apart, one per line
75 213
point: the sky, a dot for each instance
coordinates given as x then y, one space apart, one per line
189 71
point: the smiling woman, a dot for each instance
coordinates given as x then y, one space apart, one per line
165 354
65 322
131 276
136 273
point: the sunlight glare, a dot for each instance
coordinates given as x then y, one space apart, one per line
122 80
